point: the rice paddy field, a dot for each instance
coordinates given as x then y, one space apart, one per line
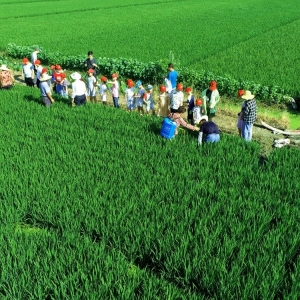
96 205
253 40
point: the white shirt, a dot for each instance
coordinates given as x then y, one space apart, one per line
78 88
175 101
27 69
33 57
129 93
181 97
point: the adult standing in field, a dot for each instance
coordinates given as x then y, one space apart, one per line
33 58
239 124
91 63
28 72
45 88
210 97
177 118
209 131
171 80
249 112
34 54
79 92
6 78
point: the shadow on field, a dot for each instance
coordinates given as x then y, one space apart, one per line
156 127
58 99
31 98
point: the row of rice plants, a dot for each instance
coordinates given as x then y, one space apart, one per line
209 220
41 264
217 45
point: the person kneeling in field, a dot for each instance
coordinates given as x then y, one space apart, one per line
210 131
45 88
177 118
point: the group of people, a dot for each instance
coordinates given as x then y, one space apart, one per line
171 103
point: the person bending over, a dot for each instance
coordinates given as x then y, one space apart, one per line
209 131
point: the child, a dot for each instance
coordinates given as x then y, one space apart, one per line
191 103
129 95
140 97
163 102
38 68
62 87
180 93
57 77
103 90
115 89
27 72
91 85
239 124
148 98
197 111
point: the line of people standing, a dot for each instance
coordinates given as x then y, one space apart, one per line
137 97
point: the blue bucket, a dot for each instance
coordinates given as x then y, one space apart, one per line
168 128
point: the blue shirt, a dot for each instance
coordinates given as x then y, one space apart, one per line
172 76
44 88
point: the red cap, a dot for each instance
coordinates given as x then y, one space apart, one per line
37 62
114 75
162 88
212 85
180 86
58 67
91 71
130 84
198 102
188 89
103 78
25 60
240 93
44 70
129 80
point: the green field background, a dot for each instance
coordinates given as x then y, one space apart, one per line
250 40
96 205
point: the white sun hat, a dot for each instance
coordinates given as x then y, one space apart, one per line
75 76
45 77
4 67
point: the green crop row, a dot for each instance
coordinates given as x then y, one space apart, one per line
154 73
102 204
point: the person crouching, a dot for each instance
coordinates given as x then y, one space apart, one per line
177 118
209 131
